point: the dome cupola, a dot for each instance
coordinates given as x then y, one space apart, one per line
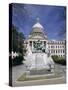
37 25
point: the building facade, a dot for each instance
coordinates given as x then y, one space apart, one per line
57 48
38 33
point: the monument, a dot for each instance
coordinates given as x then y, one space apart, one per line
38 60
38 57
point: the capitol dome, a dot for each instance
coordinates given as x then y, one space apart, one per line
37 30
38 25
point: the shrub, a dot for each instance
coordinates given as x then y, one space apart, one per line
55 57
18 60
59 60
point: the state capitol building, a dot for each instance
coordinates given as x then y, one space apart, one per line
55 47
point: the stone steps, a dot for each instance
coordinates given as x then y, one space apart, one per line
39 72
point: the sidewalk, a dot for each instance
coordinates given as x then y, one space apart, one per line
17 71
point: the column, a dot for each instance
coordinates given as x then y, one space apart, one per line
32 45
43 44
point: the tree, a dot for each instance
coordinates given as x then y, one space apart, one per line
14 39
17 45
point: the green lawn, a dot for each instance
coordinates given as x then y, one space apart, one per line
25 78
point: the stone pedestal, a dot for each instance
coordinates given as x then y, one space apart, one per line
37 61
39 72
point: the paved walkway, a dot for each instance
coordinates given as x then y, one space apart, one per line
17 71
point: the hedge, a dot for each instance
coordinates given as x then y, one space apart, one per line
17 61
59 60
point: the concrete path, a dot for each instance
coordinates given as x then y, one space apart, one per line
17 71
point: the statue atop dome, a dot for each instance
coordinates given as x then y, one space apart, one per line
38 19
38 25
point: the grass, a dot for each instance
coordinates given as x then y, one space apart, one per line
25 78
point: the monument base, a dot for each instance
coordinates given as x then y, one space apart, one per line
39 71
39 64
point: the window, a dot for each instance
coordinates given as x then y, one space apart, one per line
54 51
58 51
63 51
62 46
59 55
60 42
63 55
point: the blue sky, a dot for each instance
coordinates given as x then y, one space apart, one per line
53 19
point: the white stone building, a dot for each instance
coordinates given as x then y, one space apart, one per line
57 48
38 33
